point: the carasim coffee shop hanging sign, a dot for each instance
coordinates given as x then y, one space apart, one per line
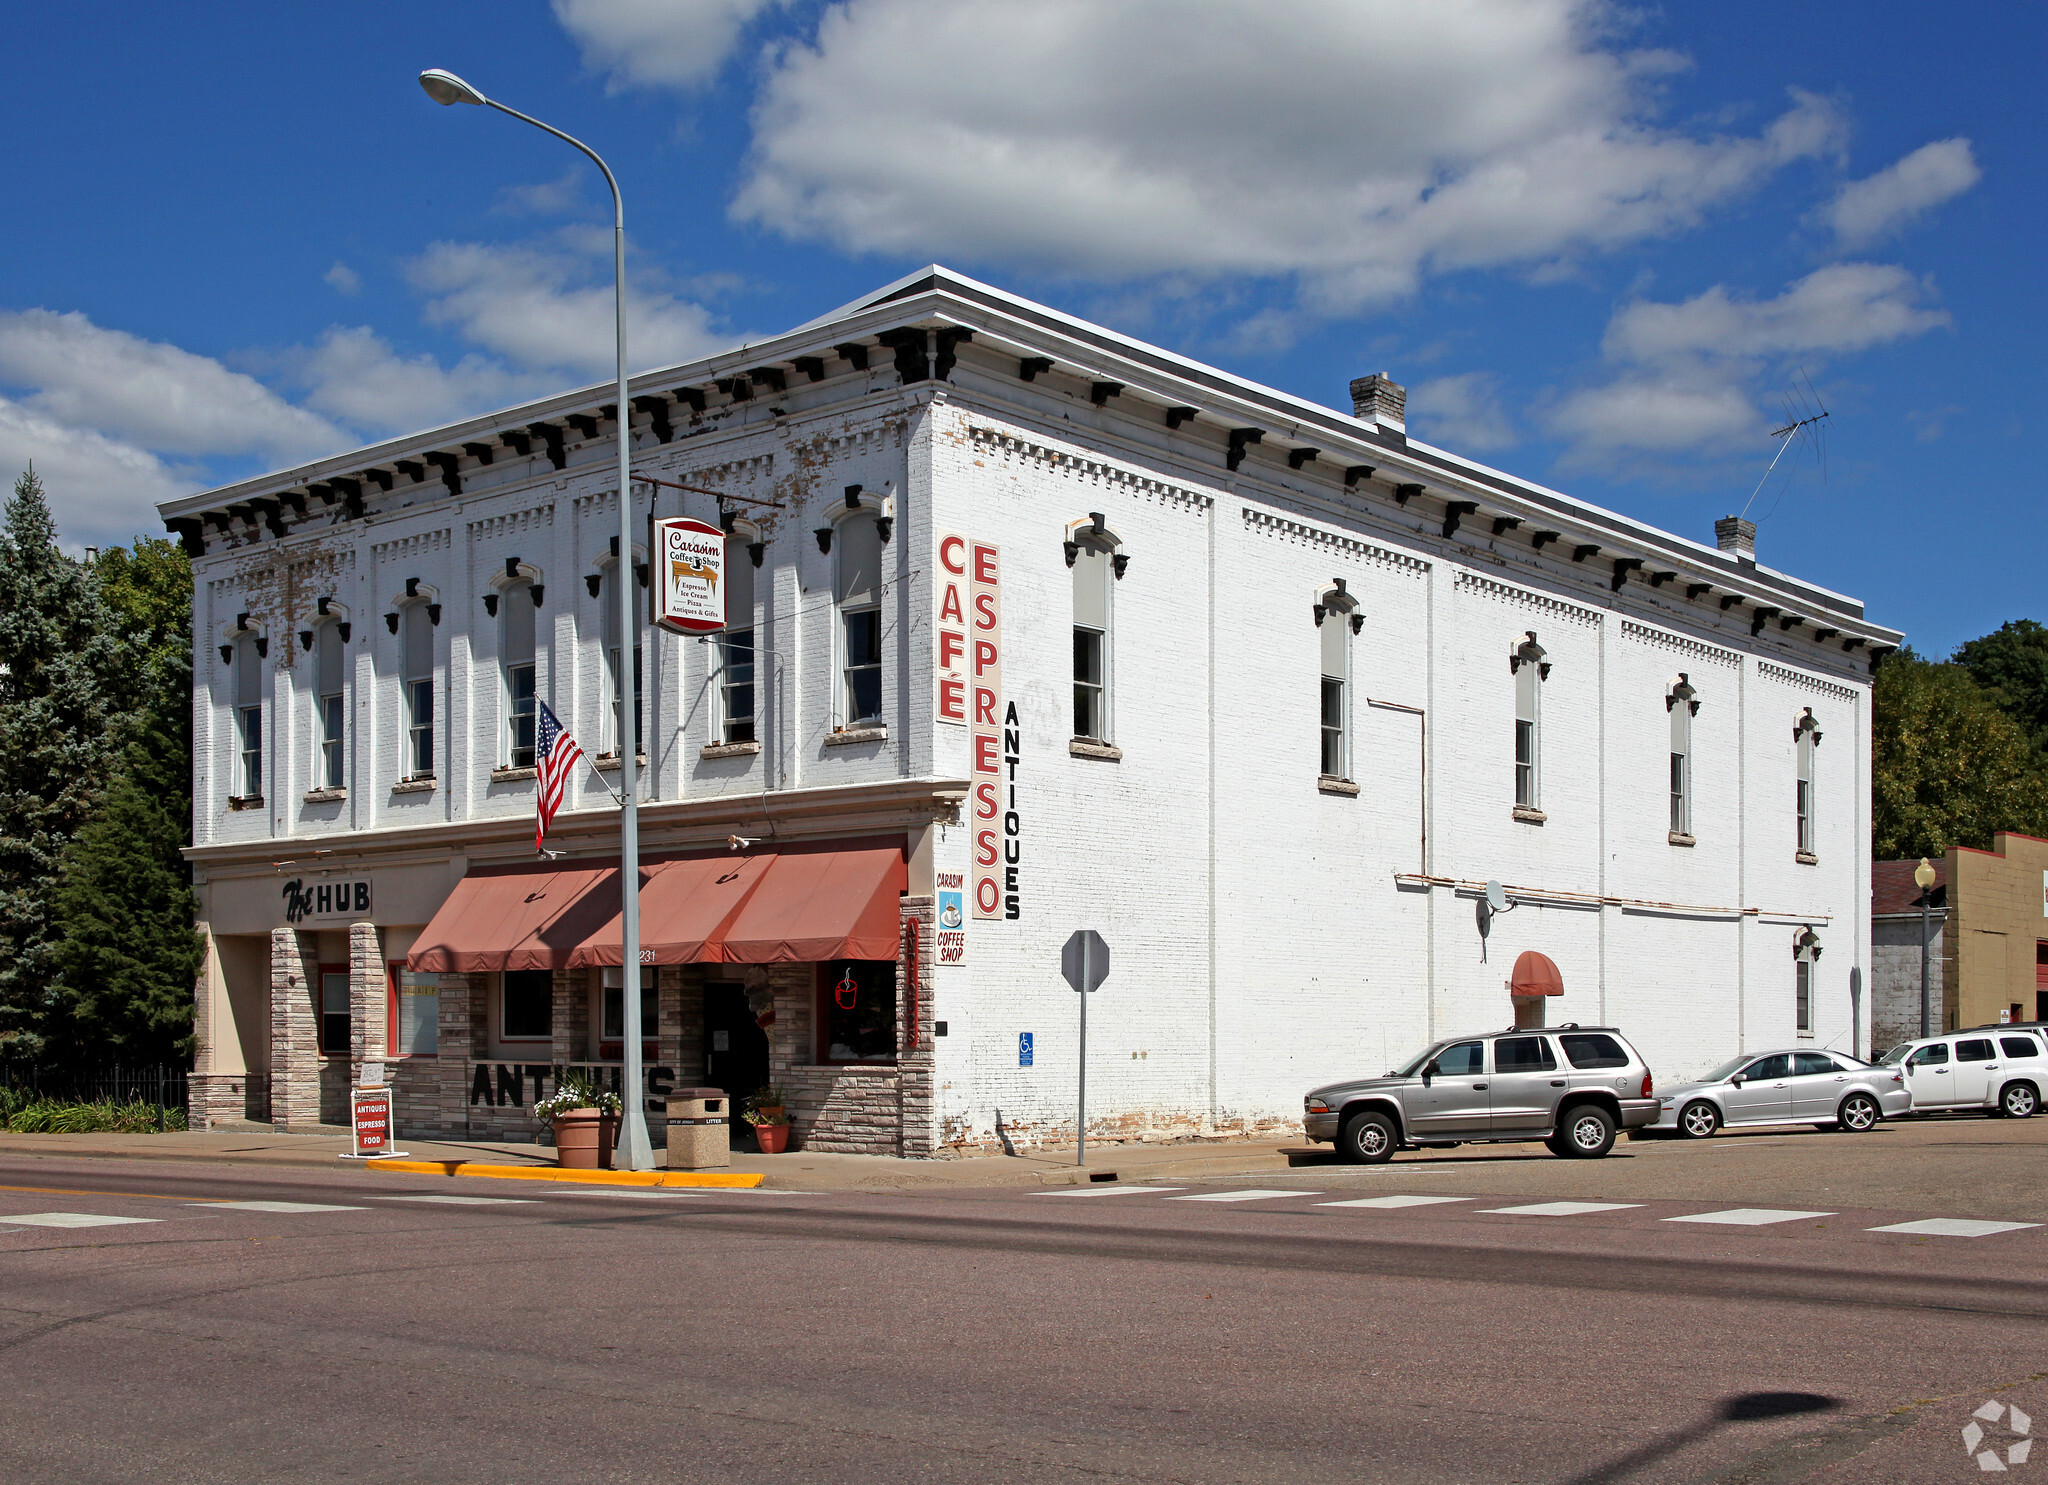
689 561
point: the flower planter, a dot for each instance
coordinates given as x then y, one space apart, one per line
773 1138
584 1139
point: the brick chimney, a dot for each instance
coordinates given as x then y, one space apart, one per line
1382 401
1733 534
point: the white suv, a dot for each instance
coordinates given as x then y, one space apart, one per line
1996 1070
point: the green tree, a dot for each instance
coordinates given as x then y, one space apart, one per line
129 954
1948 767
2013 662
60 672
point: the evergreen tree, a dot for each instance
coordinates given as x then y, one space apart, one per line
129 953
1948 766
60 670
2013 663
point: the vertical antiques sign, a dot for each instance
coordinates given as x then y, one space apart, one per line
689 561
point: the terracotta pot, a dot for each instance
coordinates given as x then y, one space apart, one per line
772 1138
584 1139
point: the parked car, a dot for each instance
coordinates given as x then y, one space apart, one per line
1996 1070
1828 1090
1573 1087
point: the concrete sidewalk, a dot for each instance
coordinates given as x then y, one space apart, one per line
797 1171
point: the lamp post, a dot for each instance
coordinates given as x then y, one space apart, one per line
636 1152
1923 874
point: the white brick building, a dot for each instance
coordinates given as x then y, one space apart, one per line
1273 691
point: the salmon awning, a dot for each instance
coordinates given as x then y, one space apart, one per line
517 917
684 910
822 904
1535 974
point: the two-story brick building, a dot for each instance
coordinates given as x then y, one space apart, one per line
1031 627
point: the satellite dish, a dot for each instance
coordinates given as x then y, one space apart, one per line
1496 897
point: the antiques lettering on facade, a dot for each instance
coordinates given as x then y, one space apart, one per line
1013 846
345 899
508 1087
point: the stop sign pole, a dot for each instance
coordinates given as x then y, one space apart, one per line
1084 960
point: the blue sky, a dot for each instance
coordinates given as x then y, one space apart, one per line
1600 244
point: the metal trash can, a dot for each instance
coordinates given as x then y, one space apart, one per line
699 1129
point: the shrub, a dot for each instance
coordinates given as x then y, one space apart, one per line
22 1113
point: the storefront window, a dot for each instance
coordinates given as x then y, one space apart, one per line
415 1013
614 1020
528 1008
857 1011
334 1016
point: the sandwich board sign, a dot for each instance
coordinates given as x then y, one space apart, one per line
689 563
369 1116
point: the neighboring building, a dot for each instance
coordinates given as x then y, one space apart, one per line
1034 627
1989 933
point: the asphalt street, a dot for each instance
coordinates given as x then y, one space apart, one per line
225 1324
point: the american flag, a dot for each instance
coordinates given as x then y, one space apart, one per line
559 753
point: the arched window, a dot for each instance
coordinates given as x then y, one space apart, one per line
1091 553
858 543
736 710
1682 702
1335 614
1806 739
329 711
614 689
1530 671
515 607
249 716
416 672
1805 958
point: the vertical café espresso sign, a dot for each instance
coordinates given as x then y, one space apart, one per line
970 694
688 565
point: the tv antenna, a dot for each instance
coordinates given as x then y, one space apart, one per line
1804 413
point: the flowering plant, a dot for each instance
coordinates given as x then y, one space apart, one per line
577 1093
764 1106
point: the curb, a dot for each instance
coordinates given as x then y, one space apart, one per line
732 1180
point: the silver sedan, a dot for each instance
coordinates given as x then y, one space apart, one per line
1825 1089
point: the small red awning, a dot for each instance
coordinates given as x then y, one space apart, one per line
1535 975
822 904
684 910
517 917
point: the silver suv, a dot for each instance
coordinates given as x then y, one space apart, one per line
1570 1086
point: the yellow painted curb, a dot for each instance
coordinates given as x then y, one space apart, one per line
732 1180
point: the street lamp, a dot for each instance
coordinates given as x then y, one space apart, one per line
636 1152
1923 874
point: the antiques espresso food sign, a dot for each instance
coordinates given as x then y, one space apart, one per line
688 563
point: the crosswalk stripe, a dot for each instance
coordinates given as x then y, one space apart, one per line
68 1219
461 1201
1749 1216
1242 1195
1561 1208
1953 1227
1395 1201
276 1206
1106 1191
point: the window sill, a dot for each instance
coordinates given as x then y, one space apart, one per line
424 785
846 737
513 775
1680 838
1806 858
325 796
609 762
1088 747
1529 814
245 801
1329 784
729 750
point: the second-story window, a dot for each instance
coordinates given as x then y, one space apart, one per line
1093 558
1806 738
517 608
330 714
858 544
609 598
1529 666
1681 701
249 716
736 648
1334 639
416 626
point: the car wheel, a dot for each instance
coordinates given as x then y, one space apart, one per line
1699 1120
2019 1101
1588 1133
1858 1114
1368 1139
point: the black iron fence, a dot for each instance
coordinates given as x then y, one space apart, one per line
161 1085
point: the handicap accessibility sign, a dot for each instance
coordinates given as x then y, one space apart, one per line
1023 1049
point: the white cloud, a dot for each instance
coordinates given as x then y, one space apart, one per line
1875 207
1461 412
1357 144
154 395
354 375
539 309
658 41
101 490
1687 372
548 198
343 279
